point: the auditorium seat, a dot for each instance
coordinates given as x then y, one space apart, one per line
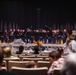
46 59
44 64
10 59
4 68
30 71
32 59
56 71
16 64
27 56
42 56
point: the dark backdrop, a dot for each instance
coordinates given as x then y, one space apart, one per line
56 14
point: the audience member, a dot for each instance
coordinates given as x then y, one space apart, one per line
31 64
7 52
61 51
71 44
38 48
69 66
55 60
21 48
4 72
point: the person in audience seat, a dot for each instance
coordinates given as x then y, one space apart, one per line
56 61
69 66
4 72
71 44
61 51
7 52
38 48
21 48
31 64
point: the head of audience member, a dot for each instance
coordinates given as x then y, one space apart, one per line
21 48
7 52
54 56
69 66
71 37
36 50
1 56
31 64
61 51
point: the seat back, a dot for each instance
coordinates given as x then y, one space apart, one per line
4 63
10 59
42 56
32 59
30 71
27 56
44 64
4 68
46 59
16 64
56 71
